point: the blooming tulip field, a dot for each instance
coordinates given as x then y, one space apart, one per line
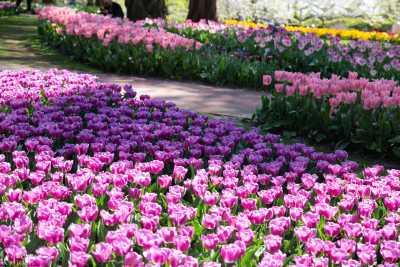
7 8
93 175
212 52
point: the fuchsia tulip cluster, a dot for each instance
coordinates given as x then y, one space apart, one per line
371 94
117 179
33 85
108 29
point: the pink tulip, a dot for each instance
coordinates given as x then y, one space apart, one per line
102 252
233 252
273 243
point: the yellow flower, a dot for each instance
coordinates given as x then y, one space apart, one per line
345 34
247 24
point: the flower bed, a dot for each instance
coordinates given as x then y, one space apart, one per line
228 55
91 174
348 34
295 51
7 9
126 47
346 110
323 32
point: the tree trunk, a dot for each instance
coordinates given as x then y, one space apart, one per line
202 9
141 9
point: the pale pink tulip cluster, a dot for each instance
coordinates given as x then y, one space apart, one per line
99 175
338 90
108 29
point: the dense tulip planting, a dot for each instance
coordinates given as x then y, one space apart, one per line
297 51
107 29
7 8
323 32
122 46
90 174
348 110
228 54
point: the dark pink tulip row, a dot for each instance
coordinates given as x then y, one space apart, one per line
98 175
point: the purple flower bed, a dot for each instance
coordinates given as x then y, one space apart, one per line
91 174
7 8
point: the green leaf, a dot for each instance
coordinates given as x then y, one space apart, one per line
260 251
395 140
198 229
248 259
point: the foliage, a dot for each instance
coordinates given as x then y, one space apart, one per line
362 24
177 9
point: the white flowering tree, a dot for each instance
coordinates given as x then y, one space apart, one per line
389 9
300 10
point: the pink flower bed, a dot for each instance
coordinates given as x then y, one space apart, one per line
338 90
97 175
353 111
107 29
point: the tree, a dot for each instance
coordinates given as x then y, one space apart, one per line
202 9
390 9
141 9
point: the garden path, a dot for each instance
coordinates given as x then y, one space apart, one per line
20 49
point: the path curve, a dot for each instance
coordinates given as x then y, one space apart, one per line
17 53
